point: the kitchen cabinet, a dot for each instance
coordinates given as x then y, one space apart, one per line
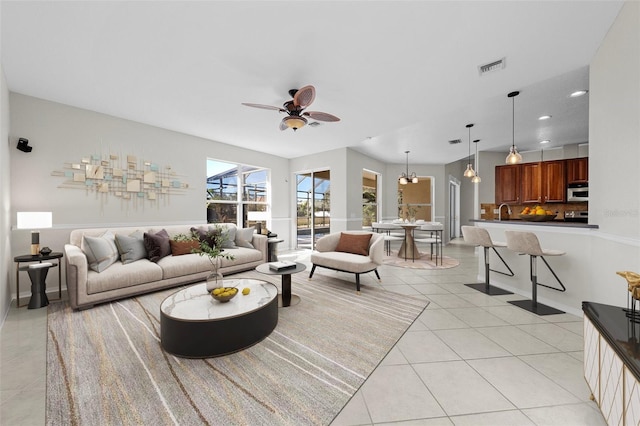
544 182
578 170
507 181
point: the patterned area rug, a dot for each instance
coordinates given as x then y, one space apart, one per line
424 262
105 365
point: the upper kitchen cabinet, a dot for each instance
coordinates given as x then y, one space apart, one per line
578 170
544 182
508 184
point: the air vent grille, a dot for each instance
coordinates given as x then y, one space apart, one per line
492 66
454 141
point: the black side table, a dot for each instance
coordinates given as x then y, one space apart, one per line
37 276
272 248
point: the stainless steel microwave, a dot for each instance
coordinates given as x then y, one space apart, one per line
578 192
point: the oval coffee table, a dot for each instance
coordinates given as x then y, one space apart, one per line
194 325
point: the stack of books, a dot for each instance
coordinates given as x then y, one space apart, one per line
282 265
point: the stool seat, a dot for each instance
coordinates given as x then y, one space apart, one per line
528 243
477 236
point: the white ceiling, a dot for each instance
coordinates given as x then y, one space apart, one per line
400 75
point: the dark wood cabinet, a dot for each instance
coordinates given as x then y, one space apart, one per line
578 170
507 184
554 184
541 182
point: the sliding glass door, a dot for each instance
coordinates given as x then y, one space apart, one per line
313 205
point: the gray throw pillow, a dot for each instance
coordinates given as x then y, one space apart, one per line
131 247
229 235
244 237
101 251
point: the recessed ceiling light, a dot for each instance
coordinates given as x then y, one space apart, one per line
544 117
545 141
578 93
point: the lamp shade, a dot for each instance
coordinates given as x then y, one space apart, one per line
34 220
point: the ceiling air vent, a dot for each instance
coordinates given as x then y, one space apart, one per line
454 141
493 66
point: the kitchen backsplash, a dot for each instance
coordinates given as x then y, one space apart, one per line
487 210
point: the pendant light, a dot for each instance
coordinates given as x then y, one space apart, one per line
406 178
476 176
469 172
514 156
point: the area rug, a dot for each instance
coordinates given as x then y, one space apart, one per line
105 365
423 262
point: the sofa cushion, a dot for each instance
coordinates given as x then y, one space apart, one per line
241 255
131 247
157 245
179 248
120 276
178 266
244 237
354 243
101 251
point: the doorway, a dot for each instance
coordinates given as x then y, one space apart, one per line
313 207
454 209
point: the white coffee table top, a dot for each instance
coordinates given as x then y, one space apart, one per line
194 303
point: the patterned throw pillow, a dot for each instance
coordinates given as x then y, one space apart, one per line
101 251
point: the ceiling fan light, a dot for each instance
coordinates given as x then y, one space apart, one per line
294 122
469 173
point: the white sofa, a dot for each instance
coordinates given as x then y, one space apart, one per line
87 287
326 255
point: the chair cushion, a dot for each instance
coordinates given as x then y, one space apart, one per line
354 243
342 261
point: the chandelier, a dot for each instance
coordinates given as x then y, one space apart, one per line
406 178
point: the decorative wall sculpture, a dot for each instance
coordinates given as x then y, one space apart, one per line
133 179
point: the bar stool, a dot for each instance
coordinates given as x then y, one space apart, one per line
527 243
476 236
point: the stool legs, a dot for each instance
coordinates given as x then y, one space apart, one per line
485 287
533 305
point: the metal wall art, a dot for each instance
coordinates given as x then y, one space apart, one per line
132 179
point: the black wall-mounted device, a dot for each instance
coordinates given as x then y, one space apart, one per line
23 145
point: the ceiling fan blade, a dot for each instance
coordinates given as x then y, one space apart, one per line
283 125
304 96
320 116
264 106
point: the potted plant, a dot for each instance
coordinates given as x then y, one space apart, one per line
209 244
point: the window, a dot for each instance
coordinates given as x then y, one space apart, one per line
234 190
369 198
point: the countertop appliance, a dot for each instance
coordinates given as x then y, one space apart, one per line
578 192
576 216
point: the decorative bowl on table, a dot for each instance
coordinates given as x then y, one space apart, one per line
224 294
537 217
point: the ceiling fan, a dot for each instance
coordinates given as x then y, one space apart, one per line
294 109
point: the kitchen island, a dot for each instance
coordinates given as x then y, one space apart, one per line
573 269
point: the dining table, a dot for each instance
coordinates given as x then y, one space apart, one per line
409 248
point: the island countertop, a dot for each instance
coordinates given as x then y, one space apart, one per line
553 223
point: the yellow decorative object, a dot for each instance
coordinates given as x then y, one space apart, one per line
633 282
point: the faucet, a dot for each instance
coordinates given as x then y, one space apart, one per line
500 210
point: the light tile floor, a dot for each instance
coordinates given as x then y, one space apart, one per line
469 359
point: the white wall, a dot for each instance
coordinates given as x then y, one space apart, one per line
61 134
5 201
614 128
